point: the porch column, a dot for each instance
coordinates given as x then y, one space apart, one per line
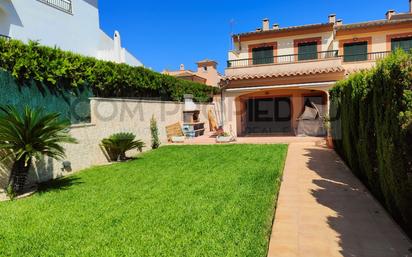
327 102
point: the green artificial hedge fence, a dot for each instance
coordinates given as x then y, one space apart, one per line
73 105
62 70
371 115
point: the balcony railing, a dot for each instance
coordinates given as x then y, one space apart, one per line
365 57
282 59
62 5
296 58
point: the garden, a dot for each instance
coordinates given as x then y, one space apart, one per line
173 201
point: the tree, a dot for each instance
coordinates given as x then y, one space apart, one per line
29 135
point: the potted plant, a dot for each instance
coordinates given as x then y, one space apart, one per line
328 128
27 135
118 144
224 138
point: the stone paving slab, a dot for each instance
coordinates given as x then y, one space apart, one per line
325 211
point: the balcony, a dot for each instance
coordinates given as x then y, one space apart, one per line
297 63
282 59
367 57
62 5
296 58
284 63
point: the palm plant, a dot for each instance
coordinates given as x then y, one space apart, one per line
118 144
29 135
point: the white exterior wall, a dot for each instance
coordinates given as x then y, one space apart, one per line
78 32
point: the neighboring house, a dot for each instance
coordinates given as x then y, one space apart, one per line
68 24
274 73
206 73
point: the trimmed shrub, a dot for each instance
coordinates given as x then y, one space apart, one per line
154 131
372 131
62 70
118 144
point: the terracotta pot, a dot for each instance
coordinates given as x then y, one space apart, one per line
224 139
329 142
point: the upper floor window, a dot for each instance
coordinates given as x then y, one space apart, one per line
308 51
62 5
262 55
355 52
403 43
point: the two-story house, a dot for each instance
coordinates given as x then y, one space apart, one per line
273 72
71 25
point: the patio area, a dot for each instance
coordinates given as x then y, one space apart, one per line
209 139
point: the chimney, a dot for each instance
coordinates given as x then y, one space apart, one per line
276 26
266 24
182 67
389 14
410 6
339 22
332 18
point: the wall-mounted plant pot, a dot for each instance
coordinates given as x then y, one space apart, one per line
224 139
329 142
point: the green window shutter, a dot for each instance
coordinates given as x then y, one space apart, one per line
355 52
403 43
262 55
308 51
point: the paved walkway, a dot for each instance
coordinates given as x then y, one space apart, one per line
324 211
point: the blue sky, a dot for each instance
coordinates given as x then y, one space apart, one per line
164 34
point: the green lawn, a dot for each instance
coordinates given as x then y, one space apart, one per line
175 201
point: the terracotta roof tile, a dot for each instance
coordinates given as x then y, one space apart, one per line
354 70
284 74
372 23
285 29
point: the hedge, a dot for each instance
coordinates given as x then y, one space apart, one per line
61 70
372 131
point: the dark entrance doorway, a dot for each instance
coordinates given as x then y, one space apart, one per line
269 115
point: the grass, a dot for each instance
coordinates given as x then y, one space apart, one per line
175 201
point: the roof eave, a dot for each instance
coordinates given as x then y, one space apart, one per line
282 30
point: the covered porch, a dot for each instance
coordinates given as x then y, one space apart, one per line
274 104
275 111
209 139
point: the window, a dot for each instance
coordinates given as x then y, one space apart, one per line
403 43
263 55
308 51
355 52
204 68
269 115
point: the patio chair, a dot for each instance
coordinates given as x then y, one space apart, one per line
175 133
213 125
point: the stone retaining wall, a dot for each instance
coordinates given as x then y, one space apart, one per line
109 116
